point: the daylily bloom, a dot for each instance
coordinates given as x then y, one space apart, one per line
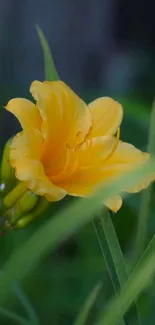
68 147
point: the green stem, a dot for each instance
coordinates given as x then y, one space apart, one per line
142 228
114 259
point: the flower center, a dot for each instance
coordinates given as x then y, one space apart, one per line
72 156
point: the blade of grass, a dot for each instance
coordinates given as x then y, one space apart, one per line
27 305
113 258
135 285
50 69
107 236
88 304
142 228
55 230
105 249
150 249
14 317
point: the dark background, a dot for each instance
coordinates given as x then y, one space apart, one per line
100 47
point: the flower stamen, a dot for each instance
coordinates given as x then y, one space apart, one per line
114 147
89 139
59 175
70 167
75 164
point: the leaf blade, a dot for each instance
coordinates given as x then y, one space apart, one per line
50 69
88 304
114 259
135 285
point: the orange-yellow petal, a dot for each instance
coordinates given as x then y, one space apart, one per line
126 158
66 118
26 112
94 154
89 173
32 172
85 180
107 116
87 157
114 203
26 145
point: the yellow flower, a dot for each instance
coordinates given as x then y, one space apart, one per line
68 147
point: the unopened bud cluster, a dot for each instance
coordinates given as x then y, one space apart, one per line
18 205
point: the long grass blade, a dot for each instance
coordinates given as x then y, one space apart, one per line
150 249
114 259
88 304
50 69
139 280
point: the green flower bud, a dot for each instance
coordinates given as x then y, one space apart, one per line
23 206
39 209
12 197
24 222
7 173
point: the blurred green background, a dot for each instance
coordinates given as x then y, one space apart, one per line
100 48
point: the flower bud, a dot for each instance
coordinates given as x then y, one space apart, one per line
23 206
7 172
39 209
13 196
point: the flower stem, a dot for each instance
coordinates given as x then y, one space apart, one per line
114 259
13 196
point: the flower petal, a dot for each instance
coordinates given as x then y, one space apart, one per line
114 203
26 145
26 112
107 116
126 158
97 152
89 173
32 172
65 116
87 157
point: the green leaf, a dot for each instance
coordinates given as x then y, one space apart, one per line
150 249
113 257
88 304
56 230
139 280
50 69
